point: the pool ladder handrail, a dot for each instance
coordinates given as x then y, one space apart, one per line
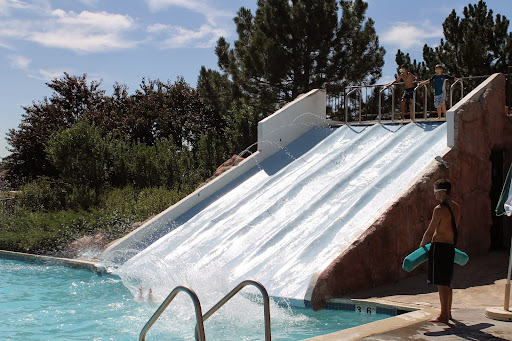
232 293
165 304
201 318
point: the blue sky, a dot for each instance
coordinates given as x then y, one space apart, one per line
125 40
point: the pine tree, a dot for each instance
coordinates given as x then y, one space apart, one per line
291 47
476 44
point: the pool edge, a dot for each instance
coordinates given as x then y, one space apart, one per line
415 316
72 263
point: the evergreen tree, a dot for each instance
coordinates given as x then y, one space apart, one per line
476 44
291 47
416 68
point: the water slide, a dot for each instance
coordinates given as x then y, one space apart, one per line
292 214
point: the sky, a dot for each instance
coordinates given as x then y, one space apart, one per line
124 41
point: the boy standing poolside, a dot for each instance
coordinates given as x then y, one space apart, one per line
439 91
408 79
442 233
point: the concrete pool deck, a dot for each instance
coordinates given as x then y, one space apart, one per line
477 286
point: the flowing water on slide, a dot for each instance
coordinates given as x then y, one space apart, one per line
291 215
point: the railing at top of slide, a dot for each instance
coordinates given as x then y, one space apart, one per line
376 102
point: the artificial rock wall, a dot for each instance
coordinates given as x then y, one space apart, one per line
480 125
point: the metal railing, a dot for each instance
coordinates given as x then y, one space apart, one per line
360 100
373 101
266 304
381 92
458 81
197 305
413 114
200 318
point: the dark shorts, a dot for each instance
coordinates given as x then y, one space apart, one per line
440 263
408 93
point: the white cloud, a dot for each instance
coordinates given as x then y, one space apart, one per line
19 62
85 31
91 3
4 7
177 36
47 75
7 5
199 6
204 36
405 35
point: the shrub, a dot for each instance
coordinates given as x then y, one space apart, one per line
152 201
42 194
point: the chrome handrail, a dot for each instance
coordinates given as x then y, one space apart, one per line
461 90
392 102
197 305
346 107
266 304
413 114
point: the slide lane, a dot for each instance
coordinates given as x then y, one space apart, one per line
281 227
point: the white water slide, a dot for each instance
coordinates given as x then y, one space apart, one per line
290 216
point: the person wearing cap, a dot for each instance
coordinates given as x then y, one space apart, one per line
439 91
408 79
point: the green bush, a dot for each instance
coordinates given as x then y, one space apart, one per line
152 201
50 232
121 201
42 194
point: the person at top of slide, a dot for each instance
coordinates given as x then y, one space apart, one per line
442 233
439 91
408 79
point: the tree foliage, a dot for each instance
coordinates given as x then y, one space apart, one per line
416 68
73 99
476 44
59 135
290 47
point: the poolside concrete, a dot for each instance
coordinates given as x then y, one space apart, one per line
72 263
478 285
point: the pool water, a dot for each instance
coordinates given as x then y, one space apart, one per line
41 302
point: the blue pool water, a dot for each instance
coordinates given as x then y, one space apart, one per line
40 302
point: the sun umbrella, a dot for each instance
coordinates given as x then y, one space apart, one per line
504 207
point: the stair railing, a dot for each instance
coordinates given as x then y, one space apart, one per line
451 91
197 305
225 299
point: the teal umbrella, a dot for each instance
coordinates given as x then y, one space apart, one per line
505 207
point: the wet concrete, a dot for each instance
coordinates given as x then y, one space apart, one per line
478 285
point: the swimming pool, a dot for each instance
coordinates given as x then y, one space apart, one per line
42 302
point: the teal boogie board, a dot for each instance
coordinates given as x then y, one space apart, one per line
421 255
